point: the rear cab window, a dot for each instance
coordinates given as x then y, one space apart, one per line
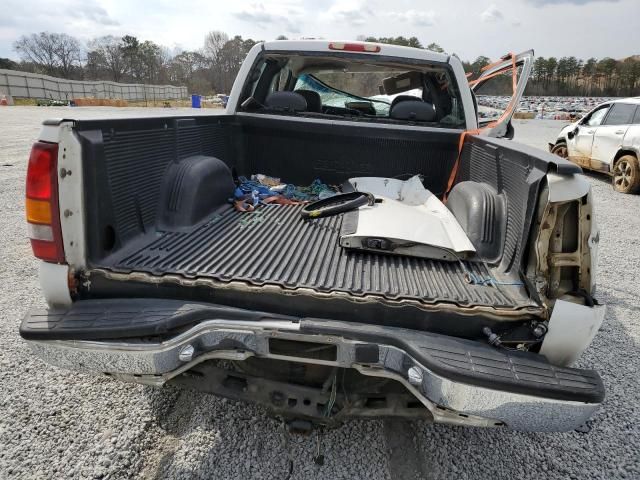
355 87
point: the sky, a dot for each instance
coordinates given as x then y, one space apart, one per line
469 28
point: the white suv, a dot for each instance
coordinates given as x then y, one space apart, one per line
607 139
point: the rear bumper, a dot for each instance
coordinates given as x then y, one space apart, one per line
458 381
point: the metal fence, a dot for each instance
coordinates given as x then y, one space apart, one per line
32 85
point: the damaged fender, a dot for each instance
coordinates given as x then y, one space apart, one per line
562 266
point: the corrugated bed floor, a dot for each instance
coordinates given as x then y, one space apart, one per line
273 245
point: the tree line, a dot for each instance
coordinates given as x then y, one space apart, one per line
606 77
213 68
210 69
571 76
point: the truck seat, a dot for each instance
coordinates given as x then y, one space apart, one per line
286 102
314 103
407 107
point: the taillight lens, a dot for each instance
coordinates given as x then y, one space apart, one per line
43 215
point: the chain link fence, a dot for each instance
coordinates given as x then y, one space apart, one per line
32 85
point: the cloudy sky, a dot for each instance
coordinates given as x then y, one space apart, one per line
583 28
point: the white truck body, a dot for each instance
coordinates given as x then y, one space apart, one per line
154 325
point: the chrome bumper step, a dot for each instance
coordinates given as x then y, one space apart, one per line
459 381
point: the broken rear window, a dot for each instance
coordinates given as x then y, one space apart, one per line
357 88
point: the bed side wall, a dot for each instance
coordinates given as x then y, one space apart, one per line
515 173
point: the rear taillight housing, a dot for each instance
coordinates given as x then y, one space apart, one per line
43 215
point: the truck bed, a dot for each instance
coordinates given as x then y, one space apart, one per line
274 246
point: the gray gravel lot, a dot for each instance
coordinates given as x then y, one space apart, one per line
56 424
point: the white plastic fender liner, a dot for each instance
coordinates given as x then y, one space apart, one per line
410 218
567 187
571 330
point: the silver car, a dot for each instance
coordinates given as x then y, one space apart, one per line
607 139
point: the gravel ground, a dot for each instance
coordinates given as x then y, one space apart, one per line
56 424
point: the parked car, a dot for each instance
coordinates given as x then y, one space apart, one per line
607 139
153 275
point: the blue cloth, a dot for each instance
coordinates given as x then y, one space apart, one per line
248 186
293 192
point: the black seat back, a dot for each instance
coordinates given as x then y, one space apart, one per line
407 107
314 103
286 102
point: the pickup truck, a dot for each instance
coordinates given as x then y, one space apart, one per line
152 276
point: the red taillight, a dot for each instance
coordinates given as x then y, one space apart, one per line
43 215
41 170
355 47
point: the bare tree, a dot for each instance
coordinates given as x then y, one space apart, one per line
68 52
39 49
52 53
215 67
213 43
230 57
106 54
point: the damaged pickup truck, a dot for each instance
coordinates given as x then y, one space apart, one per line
445 273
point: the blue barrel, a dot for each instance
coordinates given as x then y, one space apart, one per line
195 101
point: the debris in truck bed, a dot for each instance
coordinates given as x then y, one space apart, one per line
265 189
410 221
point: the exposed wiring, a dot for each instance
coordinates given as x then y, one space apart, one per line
332 397
344 390
474 279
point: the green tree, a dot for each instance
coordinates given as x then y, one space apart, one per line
400 40
605 70
8 64
434 47
550 70
478 64
588 74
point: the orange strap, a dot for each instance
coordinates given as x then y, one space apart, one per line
456 165
463 135
498 62
499 72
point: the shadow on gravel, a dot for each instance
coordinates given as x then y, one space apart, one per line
203 436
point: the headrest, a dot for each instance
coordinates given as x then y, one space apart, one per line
314 102
286 101
403 98
412 108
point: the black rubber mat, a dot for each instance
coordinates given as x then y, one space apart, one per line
273 245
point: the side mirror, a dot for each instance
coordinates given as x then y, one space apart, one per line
573 133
